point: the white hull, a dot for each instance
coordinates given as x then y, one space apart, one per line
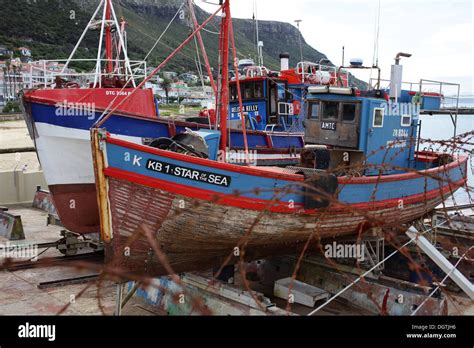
65 154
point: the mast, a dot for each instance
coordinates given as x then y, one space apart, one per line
239 92
108 37
224 85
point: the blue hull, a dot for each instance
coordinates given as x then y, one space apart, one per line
162 127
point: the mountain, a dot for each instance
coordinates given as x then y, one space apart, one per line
51 28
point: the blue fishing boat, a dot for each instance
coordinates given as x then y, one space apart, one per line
176 203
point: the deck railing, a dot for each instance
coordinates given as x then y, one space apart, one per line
44 73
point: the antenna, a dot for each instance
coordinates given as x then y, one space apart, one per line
375 59
258 42
298 21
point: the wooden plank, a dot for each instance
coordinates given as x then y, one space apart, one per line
300 292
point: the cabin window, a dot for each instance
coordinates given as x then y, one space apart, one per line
349 112
378 117
313 112
281 91
233 92
330 110
406 120
247 91
258 90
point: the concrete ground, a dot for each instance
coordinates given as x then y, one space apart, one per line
19 292
14 135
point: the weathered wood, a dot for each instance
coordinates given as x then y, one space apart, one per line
101 186
197 234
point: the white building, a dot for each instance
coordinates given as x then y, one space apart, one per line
27 75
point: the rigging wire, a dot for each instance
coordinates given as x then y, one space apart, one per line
151 50
166 29
210 31
199 63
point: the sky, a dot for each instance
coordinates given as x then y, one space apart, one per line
438 33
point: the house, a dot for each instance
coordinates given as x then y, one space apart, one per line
188 78
5 52
170 75
24 51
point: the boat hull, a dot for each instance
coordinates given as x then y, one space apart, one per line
198 235
76 205
198 224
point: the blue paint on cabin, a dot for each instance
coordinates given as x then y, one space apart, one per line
267 103
382 133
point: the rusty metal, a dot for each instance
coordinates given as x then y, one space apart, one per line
333 128
56 261
67 281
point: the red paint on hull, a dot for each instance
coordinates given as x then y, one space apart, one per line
76 205
141 103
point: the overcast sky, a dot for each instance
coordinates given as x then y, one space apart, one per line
439 33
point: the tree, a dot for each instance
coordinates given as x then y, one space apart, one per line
14 82
166 85
7 79
5 91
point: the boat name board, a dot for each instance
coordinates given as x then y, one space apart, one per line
328 125
188 173
246 108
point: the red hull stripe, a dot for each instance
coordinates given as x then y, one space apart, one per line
283 176
260 204
141 104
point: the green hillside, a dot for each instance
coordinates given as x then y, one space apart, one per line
51 28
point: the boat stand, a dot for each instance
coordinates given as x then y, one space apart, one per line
441 261
120 301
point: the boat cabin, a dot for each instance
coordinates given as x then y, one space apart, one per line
267 103
273 101
344 126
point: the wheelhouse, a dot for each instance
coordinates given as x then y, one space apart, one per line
267 103
350 129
